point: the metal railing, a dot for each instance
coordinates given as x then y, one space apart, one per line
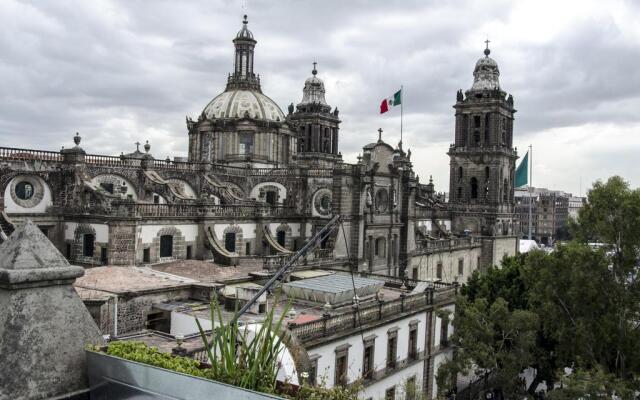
10 153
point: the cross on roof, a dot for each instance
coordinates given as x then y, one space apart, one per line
379 134
137 146
314 71
487 42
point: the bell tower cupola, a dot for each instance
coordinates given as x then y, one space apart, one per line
243 76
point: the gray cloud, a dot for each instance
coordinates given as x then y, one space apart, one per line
120 71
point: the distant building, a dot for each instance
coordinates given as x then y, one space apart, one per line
550 213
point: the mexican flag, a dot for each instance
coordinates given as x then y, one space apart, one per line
392 101
522 172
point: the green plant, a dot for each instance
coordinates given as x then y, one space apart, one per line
243 357
140 352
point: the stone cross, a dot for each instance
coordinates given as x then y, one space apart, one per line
379 134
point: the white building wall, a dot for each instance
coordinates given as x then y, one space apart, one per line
149 232
378 389
248 230
327 359
295 228
69 230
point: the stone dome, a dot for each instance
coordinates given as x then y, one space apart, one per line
486 73
313 92
236 102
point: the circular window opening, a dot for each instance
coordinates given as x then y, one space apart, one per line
325 202
24 190
382 199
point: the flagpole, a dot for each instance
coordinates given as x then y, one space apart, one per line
401 105
530 186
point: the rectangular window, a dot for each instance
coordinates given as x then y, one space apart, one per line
411 389
413 343
367 360
189 252
342 362
439 270
392 349
313 371
444 332
247 249
476 121
390 394
461 266
414 273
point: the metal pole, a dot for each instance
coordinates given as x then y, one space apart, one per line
401 105
530 186
313 242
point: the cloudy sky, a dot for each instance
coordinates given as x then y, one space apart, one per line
122 71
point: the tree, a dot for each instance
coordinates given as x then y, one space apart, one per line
492 341
586 304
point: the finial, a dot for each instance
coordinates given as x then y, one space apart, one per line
137 146
76 139
147 147
314 71
245 21
486 50
379 134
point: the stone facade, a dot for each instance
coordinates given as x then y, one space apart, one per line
251 166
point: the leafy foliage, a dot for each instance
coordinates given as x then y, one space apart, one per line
586 305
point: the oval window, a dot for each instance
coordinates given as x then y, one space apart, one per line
24 190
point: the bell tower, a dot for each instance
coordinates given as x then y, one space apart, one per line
482 157
316 124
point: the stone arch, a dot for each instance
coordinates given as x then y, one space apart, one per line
84 244
284 231
27 193
177 243
114 183
232 239
261 192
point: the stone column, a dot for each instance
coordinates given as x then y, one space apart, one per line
44 326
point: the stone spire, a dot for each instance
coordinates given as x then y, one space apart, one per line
44 326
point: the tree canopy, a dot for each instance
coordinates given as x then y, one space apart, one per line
572 314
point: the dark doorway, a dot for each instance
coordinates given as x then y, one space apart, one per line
69 251
166 246
103 256
87 245
146 255
189 252
271 198
230 241
282 235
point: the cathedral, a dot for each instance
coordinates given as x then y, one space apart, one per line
258 182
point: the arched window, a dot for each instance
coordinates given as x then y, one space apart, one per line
87 244
487 134
486 173
474 188
459 193
505 193
282 238
460 173
381 247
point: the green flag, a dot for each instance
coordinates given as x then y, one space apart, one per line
522 172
